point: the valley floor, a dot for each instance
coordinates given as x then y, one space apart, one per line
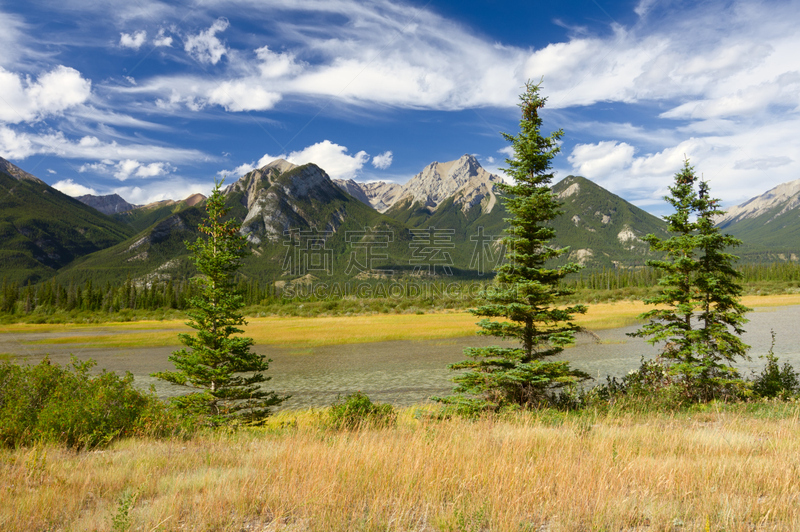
333 330
719 467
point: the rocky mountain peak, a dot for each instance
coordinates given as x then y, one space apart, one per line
439 181
462 179
774 202
281 196
282 165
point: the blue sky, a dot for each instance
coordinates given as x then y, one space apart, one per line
154 99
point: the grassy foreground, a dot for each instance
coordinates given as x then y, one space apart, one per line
336 330
721 467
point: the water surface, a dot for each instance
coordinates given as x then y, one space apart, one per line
401 372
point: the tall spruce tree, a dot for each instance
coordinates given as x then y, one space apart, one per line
526 288
702 316
217 364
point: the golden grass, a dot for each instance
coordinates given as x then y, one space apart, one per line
338 330
715 471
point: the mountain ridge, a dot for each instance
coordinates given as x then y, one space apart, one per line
43 230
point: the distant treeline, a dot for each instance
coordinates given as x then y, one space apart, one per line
616 278
51 296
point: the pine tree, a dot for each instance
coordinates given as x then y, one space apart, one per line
525 289
700 291
219 365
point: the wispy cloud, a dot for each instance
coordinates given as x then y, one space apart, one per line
20 145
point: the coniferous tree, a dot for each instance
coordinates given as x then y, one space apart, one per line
700 292
526 288
217 363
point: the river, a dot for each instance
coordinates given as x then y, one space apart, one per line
404 372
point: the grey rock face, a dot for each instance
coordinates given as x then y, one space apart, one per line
281 196
380 195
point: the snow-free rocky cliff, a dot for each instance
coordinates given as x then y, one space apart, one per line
282 196
771 205
463 179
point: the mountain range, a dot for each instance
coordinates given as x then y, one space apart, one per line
300 223
43 230
769 224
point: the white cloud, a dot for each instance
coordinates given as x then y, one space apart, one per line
100 168
132 40
161 39
52 93
51 171
176 188
205 47
332 158
128 168
762 163
692 62
71 188
14 146
240 96
756 98
382 161
329 156
738 166
275 65
601 159
376 57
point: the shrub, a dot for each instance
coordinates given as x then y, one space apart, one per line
774 381
655 385
50 403
650 386
356 410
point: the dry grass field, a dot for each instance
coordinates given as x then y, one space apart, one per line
318 331
719 469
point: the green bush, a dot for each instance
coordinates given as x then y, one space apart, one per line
774 381
50 403
356 410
